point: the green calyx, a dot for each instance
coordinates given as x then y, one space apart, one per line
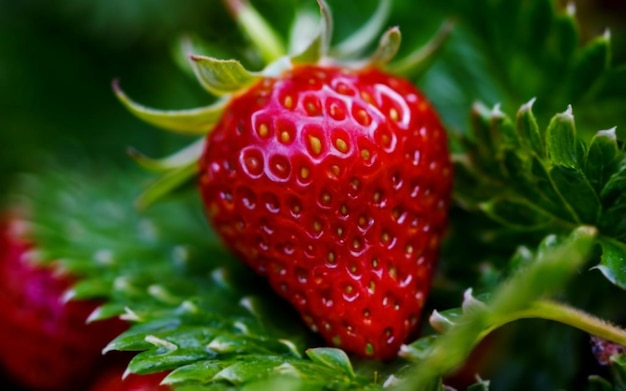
309 43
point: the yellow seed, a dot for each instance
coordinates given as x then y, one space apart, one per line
409 249
356 244
264 131
341 145
284 136
365 154
325 198
343 209
288 102
339 231
366 97
377 197
317 226
372 287
304 173
363 118
316 144
393 272
393 114
335 169
331 257
385 237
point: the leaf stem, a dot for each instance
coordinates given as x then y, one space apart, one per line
563 313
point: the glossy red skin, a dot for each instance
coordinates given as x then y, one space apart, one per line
44 343
111 380
348 235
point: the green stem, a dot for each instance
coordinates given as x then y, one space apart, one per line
256 28
563 313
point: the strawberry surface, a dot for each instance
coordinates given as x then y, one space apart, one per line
334 184
44 341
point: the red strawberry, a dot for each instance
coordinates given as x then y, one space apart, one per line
335 185
112 380
44 342
332 181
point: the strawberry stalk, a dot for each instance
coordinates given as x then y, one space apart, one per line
565 314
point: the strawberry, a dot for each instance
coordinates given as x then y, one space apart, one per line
334 185
329 179
113 380
44 341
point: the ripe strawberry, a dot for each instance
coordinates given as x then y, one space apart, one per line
334 185
44 342
112 380
331 181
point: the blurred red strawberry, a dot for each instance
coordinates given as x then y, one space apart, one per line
111 380
45 343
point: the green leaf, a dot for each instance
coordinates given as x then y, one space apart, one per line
200 371
304 30
167 183
246 371
361 39
420 349
528 130
416 63
387 48
266 40
332 358
516 213
592 62
88 289
198 121
577 192
311 54
220 77
186 156
561 139
613 261
602 158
